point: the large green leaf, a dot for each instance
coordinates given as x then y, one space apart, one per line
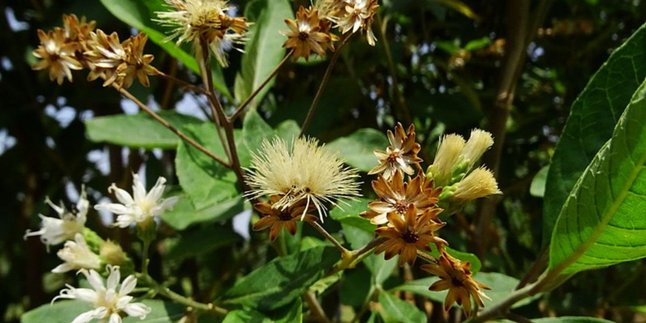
66 311
289 314
570 319
138 130
199 241
205 181
602 222
282 280
592 119
185 214
265 49
140 15
394 309
357 148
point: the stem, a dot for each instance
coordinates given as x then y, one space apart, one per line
329 237
144 257
219 117
253 95
324 81
216 109
315 307
170 127
168 293
183 83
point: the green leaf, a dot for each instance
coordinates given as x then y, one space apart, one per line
591 122
66 311
185 214
477 44
265 49
138 130
140 15
394 309
196 242
602 222
570 319
255 130
282 280
288 314
246 315
205 181
357 148
537 188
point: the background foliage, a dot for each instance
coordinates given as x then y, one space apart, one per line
443 65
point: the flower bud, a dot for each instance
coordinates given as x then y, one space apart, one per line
479 183
479 141
111 253
448 154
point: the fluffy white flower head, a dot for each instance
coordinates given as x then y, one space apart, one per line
69 222
109 299
77 255
304 171
140 206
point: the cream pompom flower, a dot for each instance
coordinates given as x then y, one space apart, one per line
140 206
303 172
69 222
109 299
77 255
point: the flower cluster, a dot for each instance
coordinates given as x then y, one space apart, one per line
84 251
299 177
407 211
108 298
78 45
311 30
205 23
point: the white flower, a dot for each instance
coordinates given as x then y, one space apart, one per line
77 255
140 206
303 172
70 222
108 301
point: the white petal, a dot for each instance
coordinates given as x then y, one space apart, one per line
139 310
122 196
113 278
157 190
62 268
138 189
95 280
96 313
85 294
115 318
128 285
125 220
114 208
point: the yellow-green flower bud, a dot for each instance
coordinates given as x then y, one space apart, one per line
479 183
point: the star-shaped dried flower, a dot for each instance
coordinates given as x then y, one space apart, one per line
57 55
456 277
352 15
308 33
277 219
395 195
400 155
406 234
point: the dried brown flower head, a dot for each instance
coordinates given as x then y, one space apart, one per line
119 63
400 155
276 219
57 55
77 30
205 21
395 195
408 233
308 33
352 15
456 277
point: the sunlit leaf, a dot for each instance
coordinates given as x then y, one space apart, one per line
602 222
357 148
394 309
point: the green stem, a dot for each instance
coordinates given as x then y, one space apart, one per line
324 81
168 293
144 257
329 237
